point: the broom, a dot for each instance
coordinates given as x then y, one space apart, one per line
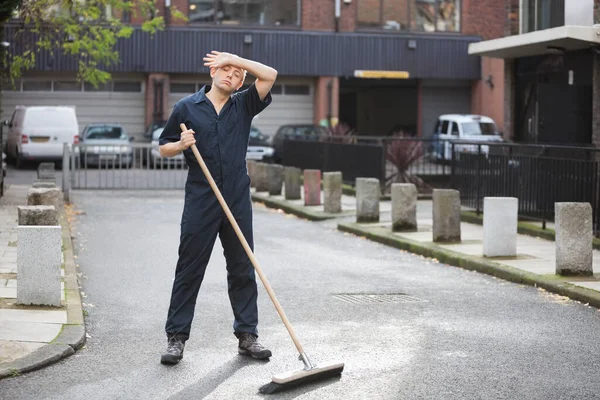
311 372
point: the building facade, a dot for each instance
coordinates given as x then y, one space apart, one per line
417 50
551 53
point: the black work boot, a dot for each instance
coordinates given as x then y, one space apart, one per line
249 346
174 351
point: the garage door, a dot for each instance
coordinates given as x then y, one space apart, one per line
293 102
446 99
120 101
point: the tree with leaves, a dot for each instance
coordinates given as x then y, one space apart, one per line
87 30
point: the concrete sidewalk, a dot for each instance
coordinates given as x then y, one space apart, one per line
534 264
34 336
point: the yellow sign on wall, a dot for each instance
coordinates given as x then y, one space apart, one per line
373 74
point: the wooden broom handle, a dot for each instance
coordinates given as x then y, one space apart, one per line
240 235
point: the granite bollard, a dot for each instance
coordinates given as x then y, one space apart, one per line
39 258
275 179
37 215
262 178
368 193
404 207
574 235
446 215
312 187
332 192
44 197
292 183
46 171
500 219
251 166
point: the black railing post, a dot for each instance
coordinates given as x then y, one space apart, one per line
478 178
452 167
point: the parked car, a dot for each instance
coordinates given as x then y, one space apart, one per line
464 127
156 160
38 133
259 146
106 145
305 131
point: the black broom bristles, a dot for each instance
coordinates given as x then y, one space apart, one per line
273 387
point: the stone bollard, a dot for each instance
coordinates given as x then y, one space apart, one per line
446 215
44 197
251 167
46 171
367 199
312 187
275 179
39 258
262 178
573 225
332 192
37 215
404 207
500 219
292 184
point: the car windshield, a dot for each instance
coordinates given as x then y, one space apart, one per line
478 128
156 134
106 132
310 130
254 133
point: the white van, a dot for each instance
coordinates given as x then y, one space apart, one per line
464 127
37 133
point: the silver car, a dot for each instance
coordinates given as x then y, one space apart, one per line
106 145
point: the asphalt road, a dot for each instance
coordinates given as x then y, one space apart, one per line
471 336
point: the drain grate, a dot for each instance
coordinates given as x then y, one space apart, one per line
368 298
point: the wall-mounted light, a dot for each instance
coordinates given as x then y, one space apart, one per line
247 39
412 44
490 81
555 50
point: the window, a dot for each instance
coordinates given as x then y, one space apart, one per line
127 87
444 127
183 88
102 87
383 14
454 129
542 14
297 89
244 12
37 86
435 15
67 86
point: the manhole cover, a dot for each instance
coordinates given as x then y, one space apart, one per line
362 298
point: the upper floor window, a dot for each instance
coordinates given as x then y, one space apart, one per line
410 15
245 12
542 14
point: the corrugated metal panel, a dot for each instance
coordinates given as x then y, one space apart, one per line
443 100
291 53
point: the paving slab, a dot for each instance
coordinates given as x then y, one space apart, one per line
43 316
29 331
11 350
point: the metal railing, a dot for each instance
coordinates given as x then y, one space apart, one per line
537 175
134 166
425 162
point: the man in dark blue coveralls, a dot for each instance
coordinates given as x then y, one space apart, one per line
218 121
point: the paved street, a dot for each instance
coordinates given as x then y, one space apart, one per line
470 336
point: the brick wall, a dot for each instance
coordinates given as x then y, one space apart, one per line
150 96
485 18
318 15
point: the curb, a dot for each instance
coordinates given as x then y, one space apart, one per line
297 210
522 227
505 272
72 335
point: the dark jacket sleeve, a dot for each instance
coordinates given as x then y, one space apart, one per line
172 132
252 101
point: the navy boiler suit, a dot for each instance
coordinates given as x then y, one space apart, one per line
222 140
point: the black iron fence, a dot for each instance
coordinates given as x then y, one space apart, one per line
425 162
537 175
